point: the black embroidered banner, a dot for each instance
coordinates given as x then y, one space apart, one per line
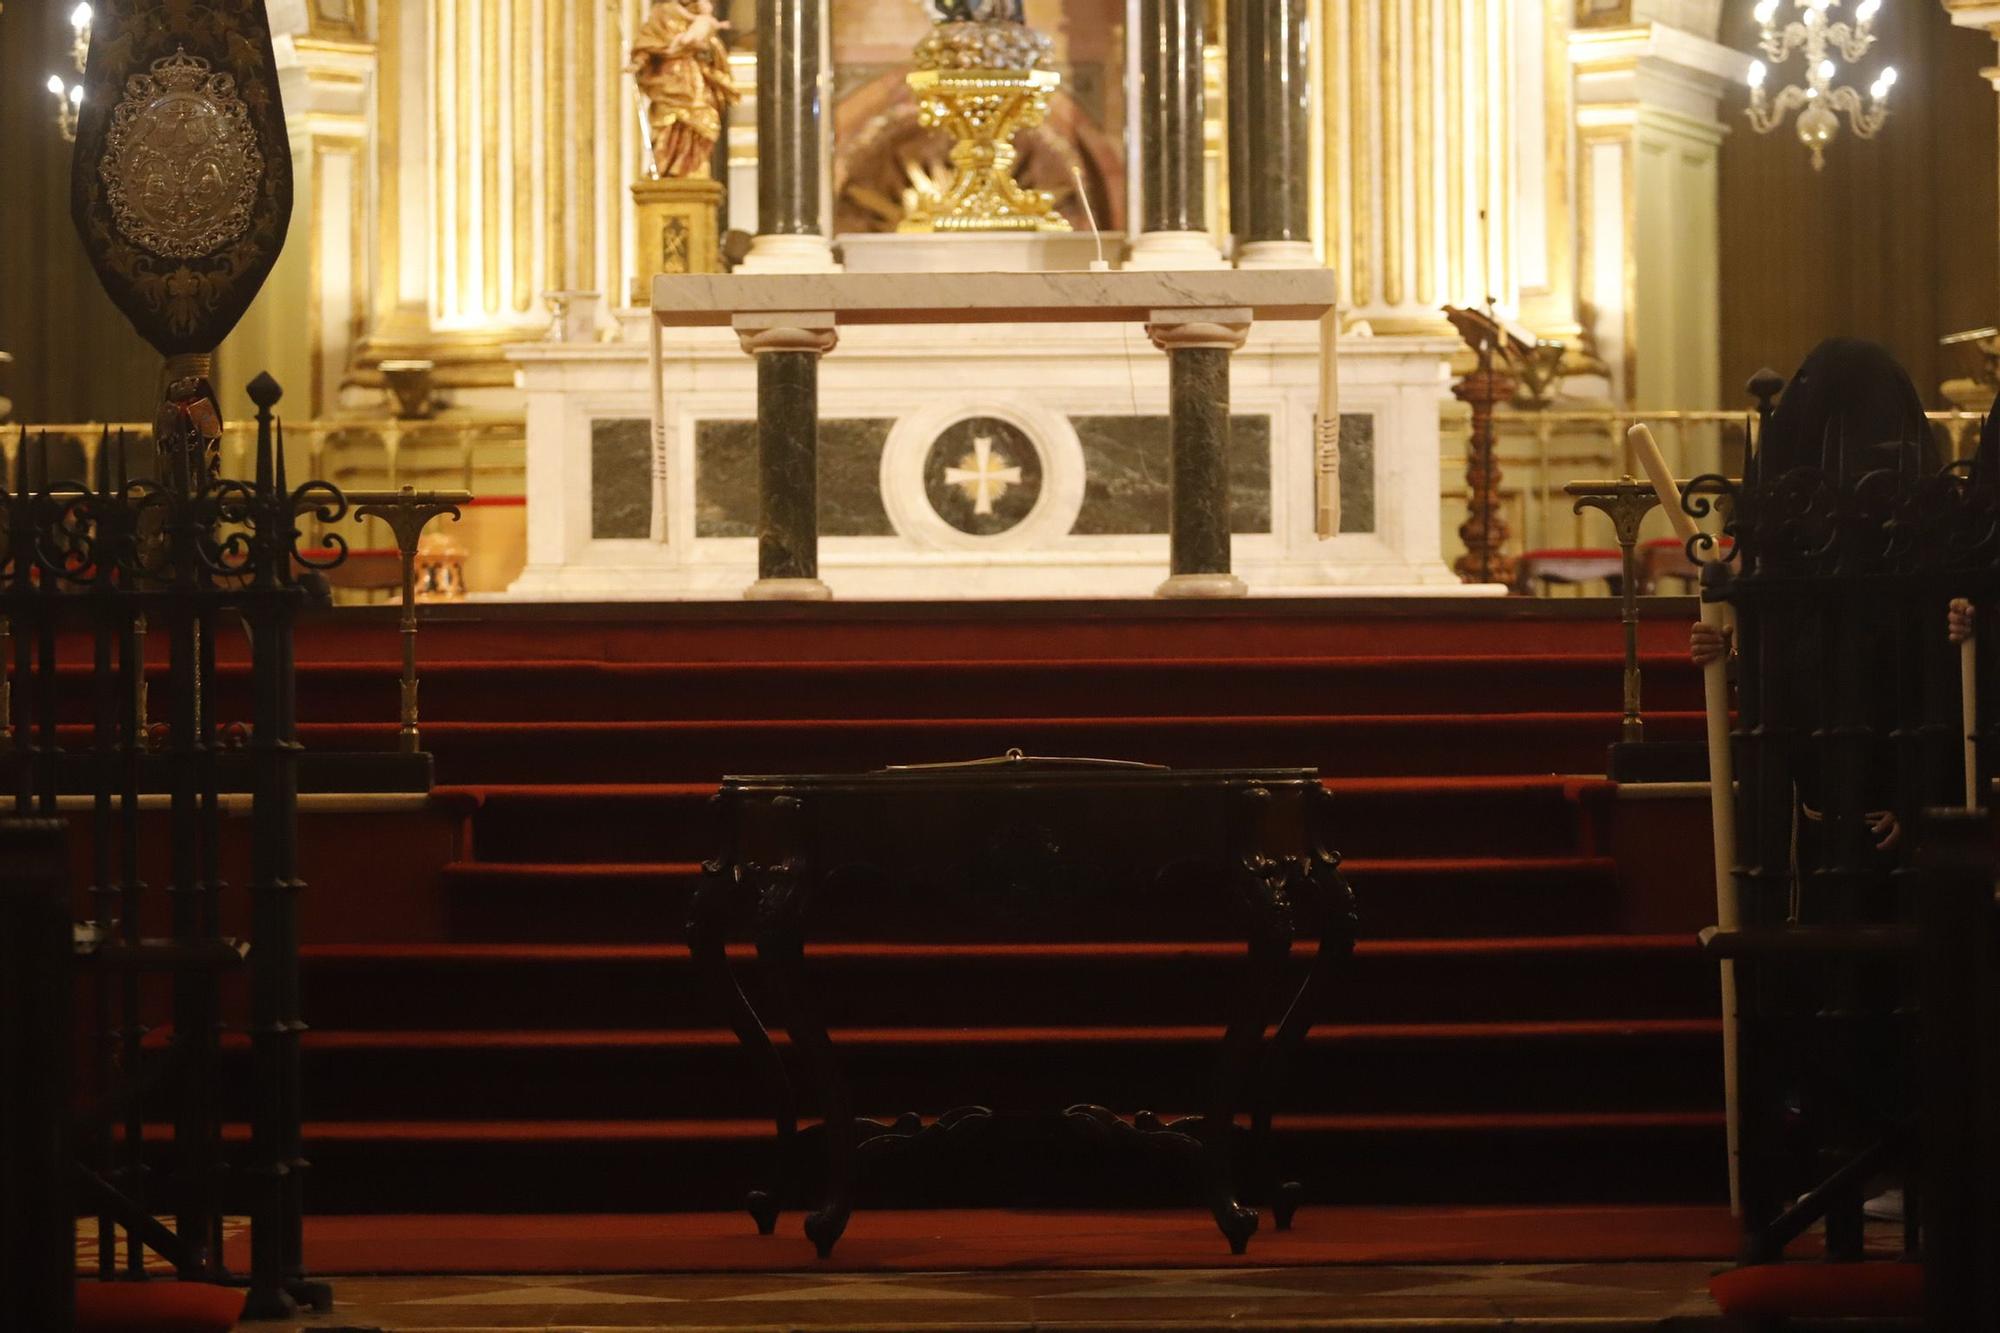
181 187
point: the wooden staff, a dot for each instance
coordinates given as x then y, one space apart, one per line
1968 702
1721 797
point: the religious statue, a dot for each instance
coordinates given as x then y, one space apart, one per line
682 67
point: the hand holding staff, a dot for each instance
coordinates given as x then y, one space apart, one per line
1721 790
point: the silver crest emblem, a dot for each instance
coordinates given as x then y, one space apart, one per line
181 164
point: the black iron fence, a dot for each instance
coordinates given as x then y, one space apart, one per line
1849 753
105 565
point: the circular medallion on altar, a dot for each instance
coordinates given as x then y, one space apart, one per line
983 476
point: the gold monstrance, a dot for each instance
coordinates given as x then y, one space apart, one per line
984 81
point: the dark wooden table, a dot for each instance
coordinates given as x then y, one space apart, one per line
1027 849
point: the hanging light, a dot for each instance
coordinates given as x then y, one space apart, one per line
69 104
69 97
1820 102
79 22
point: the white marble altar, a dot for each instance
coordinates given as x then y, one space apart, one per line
1084 402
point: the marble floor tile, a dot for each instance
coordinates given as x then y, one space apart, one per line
1385 1296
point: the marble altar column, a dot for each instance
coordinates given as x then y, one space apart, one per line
1173 169
788 349
792 155
1198 344
1270 133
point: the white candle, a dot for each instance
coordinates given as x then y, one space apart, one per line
1721 794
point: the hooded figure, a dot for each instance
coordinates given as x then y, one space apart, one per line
1850 409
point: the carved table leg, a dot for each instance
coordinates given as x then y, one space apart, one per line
781 954
1261 883
708 935
1331 909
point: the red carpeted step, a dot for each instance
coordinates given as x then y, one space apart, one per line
1446 897
963 631
1396 746
1376 817
531 1037
624 691
477 987
1555 1066
646 1165
366 691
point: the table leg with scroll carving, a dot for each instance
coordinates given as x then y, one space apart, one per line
783 893
1329 905
708 937
1260 882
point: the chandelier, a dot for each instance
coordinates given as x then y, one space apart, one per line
69 96
1820 103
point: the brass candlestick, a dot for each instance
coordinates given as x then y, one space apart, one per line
1628 501
407 512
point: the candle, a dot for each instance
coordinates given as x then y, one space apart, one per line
1721 793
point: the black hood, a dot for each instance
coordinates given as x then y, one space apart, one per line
1850 409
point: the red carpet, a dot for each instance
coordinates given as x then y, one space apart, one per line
1007 1239
504 1018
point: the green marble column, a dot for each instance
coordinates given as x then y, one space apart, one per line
1171 112
788 117
788 461
1198 355
1270 132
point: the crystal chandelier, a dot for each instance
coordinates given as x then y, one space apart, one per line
1824 41
69 96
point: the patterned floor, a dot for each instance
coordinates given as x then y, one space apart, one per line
1519 1296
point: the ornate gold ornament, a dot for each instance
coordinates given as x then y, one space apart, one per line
181 165
984 82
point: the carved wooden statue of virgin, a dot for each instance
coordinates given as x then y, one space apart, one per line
682 67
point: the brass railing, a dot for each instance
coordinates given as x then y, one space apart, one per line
1541 452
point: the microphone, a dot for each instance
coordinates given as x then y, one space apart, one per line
1099 264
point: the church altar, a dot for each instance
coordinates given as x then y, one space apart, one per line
1068 496
978 404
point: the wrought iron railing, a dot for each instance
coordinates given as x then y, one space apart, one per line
175 549
1850 737
109 539
479 455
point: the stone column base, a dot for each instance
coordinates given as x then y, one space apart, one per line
1277 254
789 254
1175 252
1191 586
788 590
